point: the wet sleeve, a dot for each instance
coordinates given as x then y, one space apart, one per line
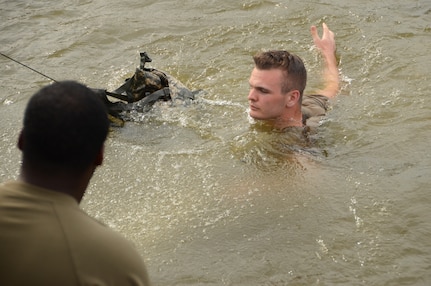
314 107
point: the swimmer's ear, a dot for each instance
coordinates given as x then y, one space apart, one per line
292 97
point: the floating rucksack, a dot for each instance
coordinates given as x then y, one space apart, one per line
144 88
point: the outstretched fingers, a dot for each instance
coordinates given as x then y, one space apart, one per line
326 43
314 34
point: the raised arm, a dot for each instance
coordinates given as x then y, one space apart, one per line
326 46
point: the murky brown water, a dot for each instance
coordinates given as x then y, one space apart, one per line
206 197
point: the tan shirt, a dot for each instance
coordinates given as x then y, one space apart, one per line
46 239
314 107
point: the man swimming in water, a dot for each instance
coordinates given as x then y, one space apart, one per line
278 80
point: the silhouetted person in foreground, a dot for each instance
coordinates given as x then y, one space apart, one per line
45 238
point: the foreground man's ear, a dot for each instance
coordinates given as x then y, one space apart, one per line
99 157
20 143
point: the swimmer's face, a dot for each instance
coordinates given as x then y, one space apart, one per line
266 100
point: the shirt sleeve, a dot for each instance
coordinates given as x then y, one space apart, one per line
314 107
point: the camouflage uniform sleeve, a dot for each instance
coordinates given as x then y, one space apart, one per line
313 108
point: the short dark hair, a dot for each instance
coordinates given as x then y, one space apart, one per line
65 127
294 70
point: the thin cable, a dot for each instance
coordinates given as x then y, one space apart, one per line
28 67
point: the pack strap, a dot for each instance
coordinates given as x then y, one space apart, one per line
123 92
163 93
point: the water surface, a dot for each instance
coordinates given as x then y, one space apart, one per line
205 196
